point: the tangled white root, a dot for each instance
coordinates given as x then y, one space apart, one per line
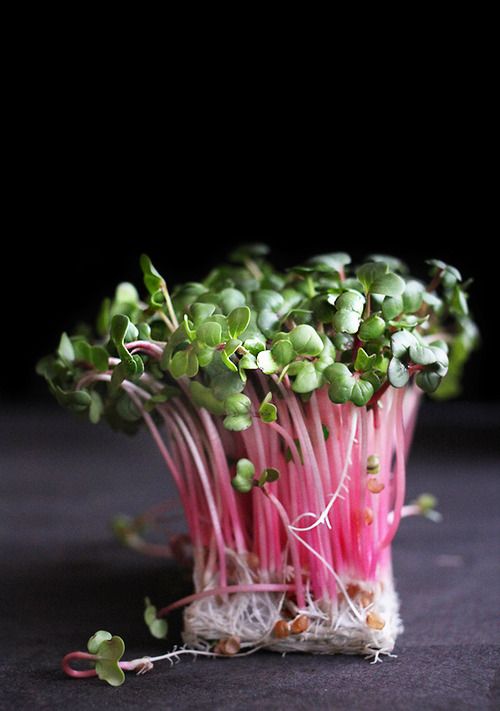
333 627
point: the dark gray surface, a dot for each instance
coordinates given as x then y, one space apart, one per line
63 576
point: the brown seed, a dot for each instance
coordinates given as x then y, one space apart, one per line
374 486
228 646
281 629
300 624
374 621
368 516
252 560
352 589
366 598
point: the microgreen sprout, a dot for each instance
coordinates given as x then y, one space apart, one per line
282 404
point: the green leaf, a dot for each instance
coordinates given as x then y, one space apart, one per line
334 261
364 361
370 272
226 383
372 328
205 355
75 400
346 321
248 362
152 278
179 364
104 318
203 397
394 264
232 346
228 362
248 251
188 328
268 299
100 358
268 322
392 306
422 354
283 352
268 476
376 279
350 301
126 293
96 640
401 342
237 404
192 364
336 370
200 312
96 407
412 296
158 628
362 392
458 302
126 408
389 284
237 423
118 375
109 654
442 363
65 349
305 340
343 341
210 333
397 373
266 362
238 321
341 389
307 378
255 345
428 381
244 479
267 411
230 299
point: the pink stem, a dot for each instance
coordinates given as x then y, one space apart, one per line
75 673
400 471
227 589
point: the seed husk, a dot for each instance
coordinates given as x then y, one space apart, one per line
281 629
368 516
374 486
374 621
228 646
300 624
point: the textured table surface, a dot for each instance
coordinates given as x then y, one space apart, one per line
62 576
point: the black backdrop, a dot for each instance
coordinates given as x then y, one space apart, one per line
53 282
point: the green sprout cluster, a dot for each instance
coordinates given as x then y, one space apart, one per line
355 329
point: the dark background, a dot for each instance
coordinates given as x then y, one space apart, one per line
55 280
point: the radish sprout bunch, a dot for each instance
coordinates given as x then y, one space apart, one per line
283 405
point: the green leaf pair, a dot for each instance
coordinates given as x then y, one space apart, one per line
431 362
344 386
157 627
267 411
237 407
377 279
108 650
244 480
